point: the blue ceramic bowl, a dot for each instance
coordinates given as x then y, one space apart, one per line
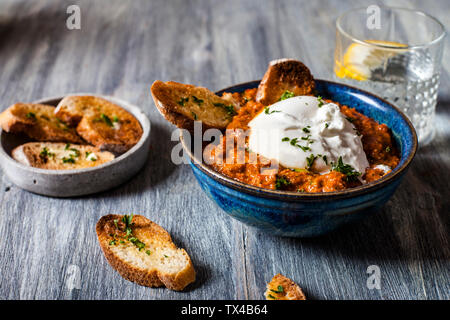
311 214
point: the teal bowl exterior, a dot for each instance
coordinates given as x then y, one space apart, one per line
294 214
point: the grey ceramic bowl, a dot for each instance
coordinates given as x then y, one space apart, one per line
71 183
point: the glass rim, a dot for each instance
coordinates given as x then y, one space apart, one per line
439 38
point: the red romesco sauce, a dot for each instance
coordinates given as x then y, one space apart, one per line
377 141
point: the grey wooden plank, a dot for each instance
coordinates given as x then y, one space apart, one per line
122 47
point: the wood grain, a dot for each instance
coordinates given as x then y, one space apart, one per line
49 248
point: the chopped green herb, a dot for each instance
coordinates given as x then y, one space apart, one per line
45 154
67 146
310 160
68 160
279 289
346 169
76 152
388 149
285 139
271 296
31 115
294 141
115 119
286 95
116 221
148 252
182 101
197 100
107 120
267 111
301 190
45 117
350 119
194 115
281 182
325 159
88 153
321 102
112 242
229 109
306 130
166 256
327 125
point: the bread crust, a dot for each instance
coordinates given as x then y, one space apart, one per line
290 290
100 122
38 122
149 232
283 75
182 104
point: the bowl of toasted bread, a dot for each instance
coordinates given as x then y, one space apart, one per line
73 145
323 189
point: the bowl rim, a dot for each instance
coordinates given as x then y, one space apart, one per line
137 112
291 195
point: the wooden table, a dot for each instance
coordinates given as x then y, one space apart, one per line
48 247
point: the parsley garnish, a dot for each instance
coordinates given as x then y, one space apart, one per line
286 95
112 242
229 109
182 101
68 160
148 252
327 125
31 115
294 141
267 111
197 100
194 115
115 119
346 169
271 296
310 160
107 120
279 289
281 182
321 102
306 130
350 119
45 154
388 149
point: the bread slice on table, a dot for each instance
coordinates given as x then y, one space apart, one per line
182 104
284 75
143 252
282 288
60 156
38 122
100 122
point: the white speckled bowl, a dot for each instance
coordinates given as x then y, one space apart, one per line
71 183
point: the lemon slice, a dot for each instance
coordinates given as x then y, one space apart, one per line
359 59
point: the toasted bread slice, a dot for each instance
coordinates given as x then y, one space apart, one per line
143 252
100 122
284 75
282 288
60 156
38 122
182 104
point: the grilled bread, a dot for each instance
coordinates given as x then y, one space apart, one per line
143 252
38 122
182 104
282 288
60 156
284 75
100 122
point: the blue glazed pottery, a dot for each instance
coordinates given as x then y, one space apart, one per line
294 214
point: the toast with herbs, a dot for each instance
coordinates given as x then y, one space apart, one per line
282 288
182 104
284 78
38 122
100 122
143 252
60 156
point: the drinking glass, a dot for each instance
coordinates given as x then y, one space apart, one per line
395 53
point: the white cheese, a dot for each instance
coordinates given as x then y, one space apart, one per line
295 130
